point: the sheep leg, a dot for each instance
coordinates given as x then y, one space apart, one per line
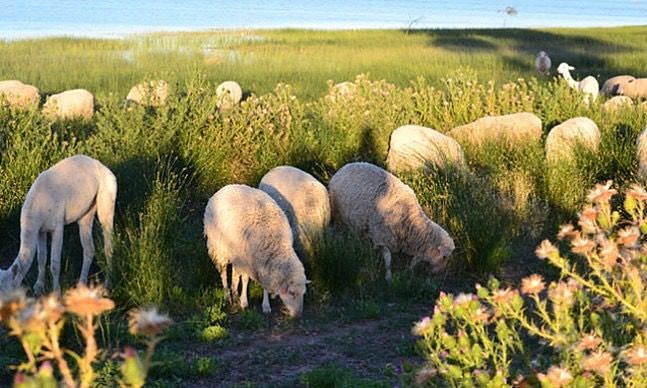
39 286
266 302
414 262
235 280
387 263
225 284
55 257
85 233
243 295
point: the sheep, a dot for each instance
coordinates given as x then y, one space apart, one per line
18 94
516 128
617 102
412 147
589 85
229 94
304 201
610 86
641 154
636 88
72 190
542 63
247 229
153 93
563 138
345 88
70 104
374 202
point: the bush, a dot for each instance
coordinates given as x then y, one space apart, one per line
335 376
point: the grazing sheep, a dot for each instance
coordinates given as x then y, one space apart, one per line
617 102
229 94
542 63
247 229
610 86
345 88
72 190
589 85
635 89
18 94
373 201
304 201
76 103
412 147
641 154
516 128
563 138
153 93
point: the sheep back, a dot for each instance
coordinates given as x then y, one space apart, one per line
610 86
70 104
563 138
229 93
18 94
153 93
515 128
641 154
617 102
412 147
636 88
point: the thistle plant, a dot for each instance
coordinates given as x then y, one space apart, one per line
587 328
38 323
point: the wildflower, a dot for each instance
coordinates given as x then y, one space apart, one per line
582 245
567 231
31 317
533 284
462 299
52 308
637 355
421 327
598 362
589 342
601 193
425 375
482 314
147 321
84 300
628 236
561 294
556 376
546 250
609 254
588 219
11 302
503 296
637 192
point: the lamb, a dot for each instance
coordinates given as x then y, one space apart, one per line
617 102
247 229
153 93
589 85
70 104
635 89
542 63
412 147
516 128
18 94
565 137
303 199
641 154
374 202
229 94
610 86
72 190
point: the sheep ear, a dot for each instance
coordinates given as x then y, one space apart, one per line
571 68
308 281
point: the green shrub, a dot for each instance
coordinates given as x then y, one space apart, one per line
335 376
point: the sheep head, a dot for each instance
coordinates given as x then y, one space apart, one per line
541 54
564 68
291 291
438 254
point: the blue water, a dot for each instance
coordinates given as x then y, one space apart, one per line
102 18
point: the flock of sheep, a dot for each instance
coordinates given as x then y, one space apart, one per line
263 233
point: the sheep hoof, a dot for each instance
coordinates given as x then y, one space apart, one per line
39 289
244 304
388 276
267 310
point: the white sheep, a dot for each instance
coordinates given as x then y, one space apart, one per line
18 94
617 102
636 88
610 86
153 93
412 147
247 229
70 104
72 190
565 137
516 128
303 199
589 85
229 94
376 203
641 154
542 63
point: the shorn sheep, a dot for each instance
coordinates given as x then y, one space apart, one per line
70 104
247 229
303 199
641 154
412 147
229 94
589 85
635 89
542 63
617 102
153 93
18 94
516 128
565 137
610 86
376 203
72 190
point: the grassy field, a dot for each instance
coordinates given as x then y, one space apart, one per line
170 160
